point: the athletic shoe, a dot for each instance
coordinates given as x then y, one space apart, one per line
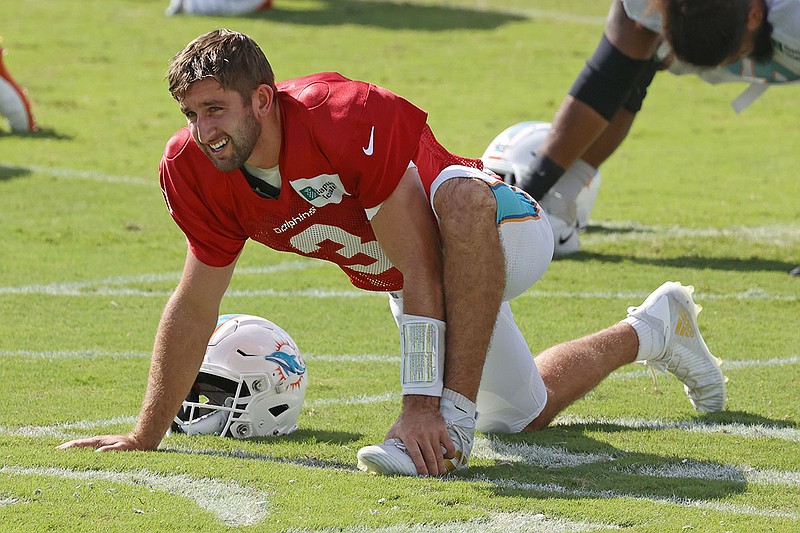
670 311
795 271
391 457
563 217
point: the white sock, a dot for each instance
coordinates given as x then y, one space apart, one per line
461 402
651 342
574 180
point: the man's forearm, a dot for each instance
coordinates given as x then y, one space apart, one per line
178 352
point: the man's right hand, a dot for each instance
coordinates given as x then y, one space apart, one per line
424 434
108 443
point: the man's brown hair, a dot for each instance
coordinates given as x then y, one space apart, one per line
231 58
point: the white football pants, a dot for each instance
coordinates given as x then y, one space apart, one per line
512 392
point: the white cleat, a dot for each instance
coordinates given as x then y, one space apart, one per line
671 311
391 457
388 458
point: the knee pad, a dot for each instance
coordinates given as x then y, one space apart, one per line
633 102
607 79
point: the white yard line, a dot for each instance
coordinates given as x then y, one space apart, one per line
233 504
747 431
552 488
89 175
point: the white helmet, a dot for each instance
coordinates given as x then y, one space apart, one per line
252 382
512 153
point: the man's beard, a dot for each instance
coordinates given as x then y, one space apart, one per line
241 144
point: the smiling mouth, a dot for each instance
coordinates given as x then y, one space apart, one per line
217 146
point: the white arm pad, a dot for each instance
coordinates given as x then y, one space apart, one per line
422 355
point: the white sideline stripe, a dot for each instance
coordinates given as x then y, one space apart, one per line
71 173
88 354
493 448
703 470
77 288
749 431
552 488
356 400
634 231
490 447
368 358
726 365
65 431
8 501
233 504
509 522
102 288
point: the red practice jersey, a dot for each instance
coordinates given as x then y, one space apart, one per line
345 146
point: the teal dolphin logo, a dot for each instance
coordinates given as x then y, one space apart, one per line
290 363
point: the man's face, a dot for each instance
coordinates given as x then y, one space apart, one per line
756 42
222 125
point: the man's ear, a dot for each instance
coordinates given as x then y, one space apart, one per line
263 99
756 15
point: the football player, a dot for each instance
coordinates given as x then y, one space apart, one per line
216 7
351 173
14 104
753 41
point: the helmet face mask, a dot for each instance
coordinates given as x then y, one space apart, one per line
252 382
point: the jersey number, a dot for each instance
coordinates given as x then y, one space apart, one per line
352 253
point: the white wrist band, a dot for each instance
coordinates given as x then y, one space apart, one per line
422 355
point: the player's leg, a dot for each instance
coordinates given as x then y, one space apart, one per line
473 270
662 332
475 213
571 369
560 201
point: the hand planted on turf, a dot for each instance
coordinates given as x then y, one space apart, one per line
106 443
424 434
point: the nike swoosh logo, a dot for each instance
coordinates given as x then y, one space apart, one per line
562 240
368 148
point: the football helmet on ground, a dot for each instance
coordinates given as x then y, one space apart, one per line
252 382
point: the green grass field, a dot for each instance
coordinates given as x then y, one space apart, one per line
90 255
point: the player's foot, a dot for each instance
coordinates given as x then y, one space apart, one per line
391 457
795 271
562 214
671 312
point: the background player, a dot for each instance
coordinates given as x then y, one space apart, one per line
720 40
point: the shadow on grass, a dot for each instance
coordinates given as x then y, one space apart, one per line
595 469
390 15
8 172
733 264
213 445
41 133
